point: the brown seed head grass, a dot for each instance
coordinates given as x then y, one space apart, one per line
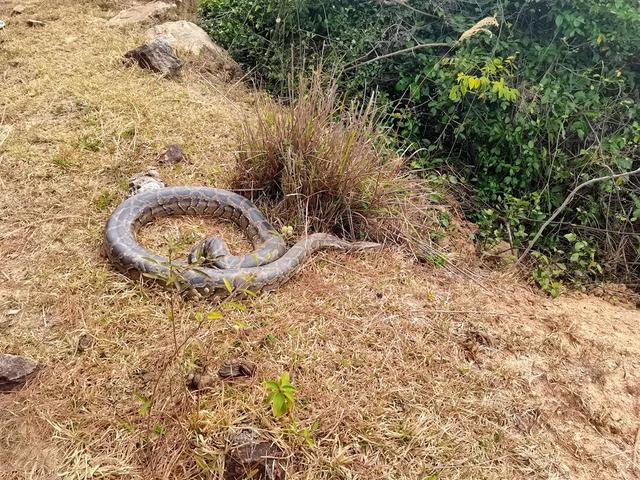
480 26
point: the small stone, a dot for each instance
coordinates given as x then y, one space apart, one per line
237 368
2 24
13 311
85 342
145 182
14 371
251 456
172 154
142 14
157 56
18 9
35 23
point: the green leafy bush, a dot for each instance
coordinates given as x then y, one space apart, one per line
277 37
523 112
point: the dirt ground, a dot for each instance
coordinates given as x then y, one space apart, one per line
403 371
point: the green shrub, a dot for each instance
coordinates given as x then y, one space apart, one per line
523 115
274 38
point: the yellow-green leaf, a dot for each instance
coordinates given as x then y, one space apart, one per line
214 315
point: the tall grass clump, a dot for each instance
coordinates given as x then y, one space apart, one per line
324 166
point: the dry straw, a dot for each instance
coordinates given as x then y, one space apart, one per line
321 165
481 26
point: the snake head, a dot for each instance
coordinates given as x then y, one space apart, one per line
208 251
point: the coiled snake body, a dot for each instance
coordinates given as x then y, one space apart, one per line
216 271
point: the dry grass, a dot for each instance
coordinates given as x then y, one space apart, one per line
402 371
320 165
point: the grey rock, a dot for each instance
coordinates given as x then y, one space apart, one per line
157 56
172 154
14 371
142 14
189 39
251 456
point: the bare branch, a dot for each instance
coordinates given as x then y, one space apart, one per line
400 52
480 26
566 202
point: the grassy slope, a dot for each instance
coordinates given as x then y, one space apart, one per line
405 371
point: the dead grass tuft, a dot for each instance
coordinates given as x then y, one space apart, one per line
322 166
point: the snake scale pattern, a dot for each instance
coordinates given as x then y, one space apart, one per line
210 269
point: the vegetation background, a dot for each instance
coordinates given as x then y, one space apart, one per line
401 371
514 103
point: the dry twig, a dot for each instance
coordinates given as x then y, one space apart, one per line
480 26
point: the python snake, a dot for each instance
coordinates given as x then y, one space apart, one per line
211 270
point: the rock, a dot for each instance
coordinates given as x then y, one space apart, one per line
172 154
145 182
189 39
142 14
250 456
14 371
157 56
2 24
85 342
35 23
18 9
237 368
183 36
